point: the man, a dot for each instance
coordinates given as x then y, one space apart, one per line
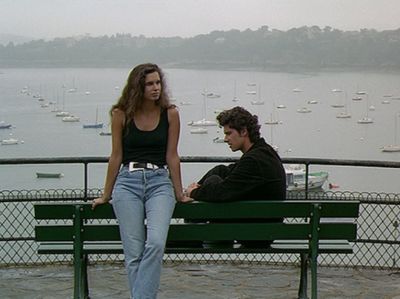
258 175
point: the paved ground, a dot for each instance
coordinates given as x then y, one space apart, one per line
193 281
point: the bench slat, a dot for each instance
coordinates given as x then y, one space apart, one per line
202 210
209 231
283 246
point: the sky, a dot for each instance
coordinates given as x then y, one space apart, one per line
186 18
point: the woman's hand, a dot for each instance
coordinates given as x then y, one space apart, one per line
183 198
99 201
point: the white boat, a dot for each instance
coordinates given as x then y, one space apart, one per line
62 114
73 88
336 90
343 114
272 120
202 123
199 130
385 102
235 98
4 125
297 90
357 98
185 103
70 118
338 105
312 102
251 92
9 141
258 101
218 140
211 95
304 110
391 148
395 147
365 120
361 92
296 178
281 106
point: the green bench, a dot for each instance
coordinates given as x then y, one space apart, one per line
308 236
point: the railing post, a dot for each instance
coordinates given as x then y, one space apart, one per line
306 182
85 183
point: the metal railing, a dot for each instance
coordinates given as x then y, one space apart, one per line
377 244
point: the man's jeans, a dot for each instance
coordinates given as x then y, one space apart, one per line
139 195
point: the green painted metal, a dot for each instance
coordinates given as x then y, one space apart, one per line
301 237
206 210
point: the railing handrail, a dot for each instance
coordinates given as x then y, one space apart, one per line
206 159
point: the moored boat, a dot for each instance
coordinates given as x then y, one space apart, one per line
4 125
49 175
296 179
9 141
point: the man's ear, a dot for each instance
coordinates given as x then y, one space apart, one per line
244 133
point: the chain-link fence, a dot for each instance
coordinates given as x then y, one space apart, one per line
377 244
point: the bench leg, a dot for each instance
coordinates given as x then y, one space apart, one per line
81 290
85 276
303 276
314 287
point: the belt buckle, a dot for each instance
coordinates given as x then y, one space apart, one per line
151 166
132 167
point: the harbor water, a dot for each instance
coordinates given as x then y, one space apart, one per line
30 95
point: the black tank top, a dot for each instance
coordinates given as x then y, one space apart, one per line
146 146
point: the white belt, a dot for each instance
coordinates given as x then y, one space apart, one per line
133 166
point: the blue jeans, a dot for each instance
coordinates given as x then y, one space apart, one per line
139 195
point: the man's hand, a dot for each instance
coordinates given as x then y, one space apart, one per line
191 187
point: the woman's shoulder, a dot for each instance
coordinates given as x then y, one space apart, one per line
118 115
172 112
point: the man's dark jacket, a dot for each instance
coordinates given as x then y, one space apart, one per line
258 175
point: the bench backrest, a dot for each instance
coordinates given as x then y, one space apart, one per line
335 224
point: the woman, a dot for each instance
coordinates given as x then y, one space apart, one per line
145 132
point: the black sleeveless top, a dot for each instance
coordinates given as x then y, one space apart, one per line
146 146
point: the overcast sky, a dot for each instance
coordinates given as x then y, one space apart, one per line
186 18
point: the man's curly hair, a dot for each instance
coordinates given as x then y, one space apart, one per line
239 118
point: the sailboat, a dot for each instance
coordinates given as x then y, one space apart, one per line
395 147
271 121
73 88
344 113
366 119
202 122
63 113
259 101
235 98
96 125
337 104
